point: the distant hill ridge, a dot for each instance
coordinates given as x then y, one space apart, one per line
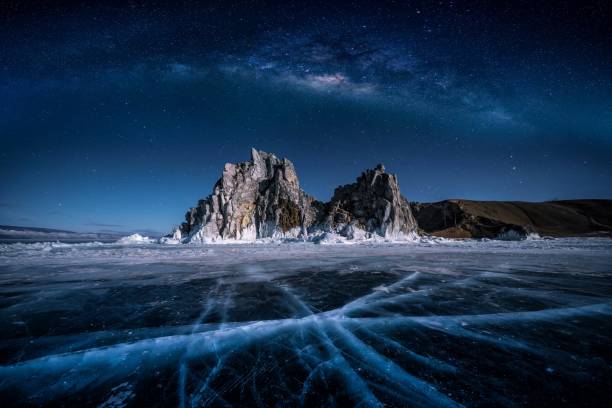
13 233
34 229
488 219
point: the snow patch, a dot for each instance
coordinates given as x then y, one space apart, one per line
135 239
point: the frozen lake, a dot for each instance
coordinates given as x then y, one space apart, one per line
440 323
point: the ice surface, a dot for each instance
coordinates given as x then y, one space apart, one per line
431 322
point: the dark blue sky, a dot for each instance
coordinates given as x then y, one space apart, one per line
119 117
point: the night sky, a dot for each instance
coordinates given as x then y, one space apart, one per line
119 117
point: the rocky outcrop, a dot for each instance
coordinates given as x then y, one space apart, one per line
255 199
262 198
507 219
373 205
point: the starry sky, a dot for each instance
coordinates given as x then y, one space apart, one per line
120 116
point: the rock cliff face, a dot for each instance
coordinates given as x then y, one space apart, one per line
255 199
373 205
262 198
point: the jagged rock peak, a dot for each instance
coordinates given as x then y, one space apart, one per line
254 199
262 198
372 204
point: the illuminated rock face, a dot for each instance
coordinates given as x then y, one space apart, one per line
262 198
371 205
255 199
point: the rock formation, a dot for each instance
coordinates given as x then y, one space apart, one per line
373 205
262 198
255 199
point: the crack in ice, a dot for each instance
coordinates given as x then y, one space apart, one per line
371 350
